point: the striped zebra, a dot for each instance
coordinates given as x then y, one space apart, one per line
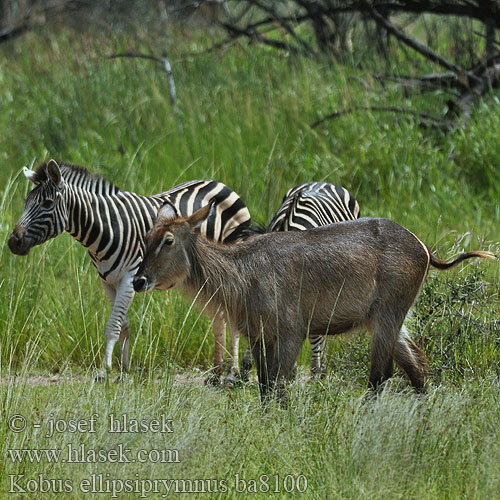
112 225
304 207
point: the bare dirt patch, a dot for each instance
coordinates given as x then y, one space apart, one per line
47 380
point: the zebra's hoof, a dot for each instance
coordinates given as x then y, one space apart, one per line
232 381
121 378
244 376
213 379
100 378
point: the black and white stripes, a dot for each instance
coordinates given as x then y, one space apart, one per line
112 225
314 204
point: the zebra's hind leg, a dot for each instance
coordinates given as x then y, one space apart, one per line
318 343
219 328
233 377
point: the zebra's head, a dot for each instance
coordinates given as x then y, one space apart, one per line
45 214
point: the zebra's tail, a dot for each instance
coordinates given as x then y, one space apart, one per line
446 264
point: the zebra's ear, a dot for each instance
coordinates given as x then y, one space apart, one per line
167 211
54 172
30 174
200 215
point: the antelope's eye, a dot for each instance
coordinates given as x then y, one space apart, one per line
47 203
169 240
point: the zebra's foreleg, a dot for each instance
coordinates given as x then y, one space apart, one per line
124 346
246 364
117 326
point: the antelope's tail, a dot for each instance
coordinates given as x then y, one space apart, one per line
446 264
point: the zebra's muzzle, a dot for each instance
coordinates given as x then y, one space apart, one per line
18 244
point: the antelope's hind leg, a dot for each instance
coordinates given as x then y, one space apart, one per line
411 359
384 329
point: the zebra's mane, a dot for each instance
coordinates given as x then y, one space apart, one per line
79 176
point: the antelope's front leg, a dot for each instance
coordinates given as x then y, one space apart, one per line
117 326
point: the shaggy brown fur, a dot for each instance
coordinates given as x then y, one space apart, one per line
278 287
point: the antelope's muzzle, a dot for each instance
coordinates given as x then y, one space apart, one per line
140 284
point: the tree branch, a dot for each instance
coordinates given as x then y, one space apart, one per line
168 70
284 23
420 47
426 119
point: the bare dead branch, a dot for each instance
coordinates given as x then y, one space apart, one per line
168 71
443 81
426 120
253 34
28 23
462 107
284 23
428 53
482 35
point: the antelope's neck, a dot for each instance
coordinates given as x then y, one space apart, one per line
216 273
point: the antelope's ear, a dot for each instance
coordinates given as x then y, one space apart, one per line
200 215
30 174
167 211
54 172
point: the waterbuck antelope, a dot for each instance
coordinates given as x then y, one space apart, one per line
357 274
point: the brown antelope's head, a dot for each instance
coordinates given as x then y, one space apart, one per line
45 213
166 262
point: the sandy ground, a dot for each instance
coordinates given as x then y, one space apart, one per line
185 378
46 380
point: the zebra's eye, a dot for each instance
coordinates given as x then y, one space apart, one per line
47 203
169 239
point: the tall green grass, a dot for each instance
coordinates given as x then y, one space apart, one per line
441 445
245 114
